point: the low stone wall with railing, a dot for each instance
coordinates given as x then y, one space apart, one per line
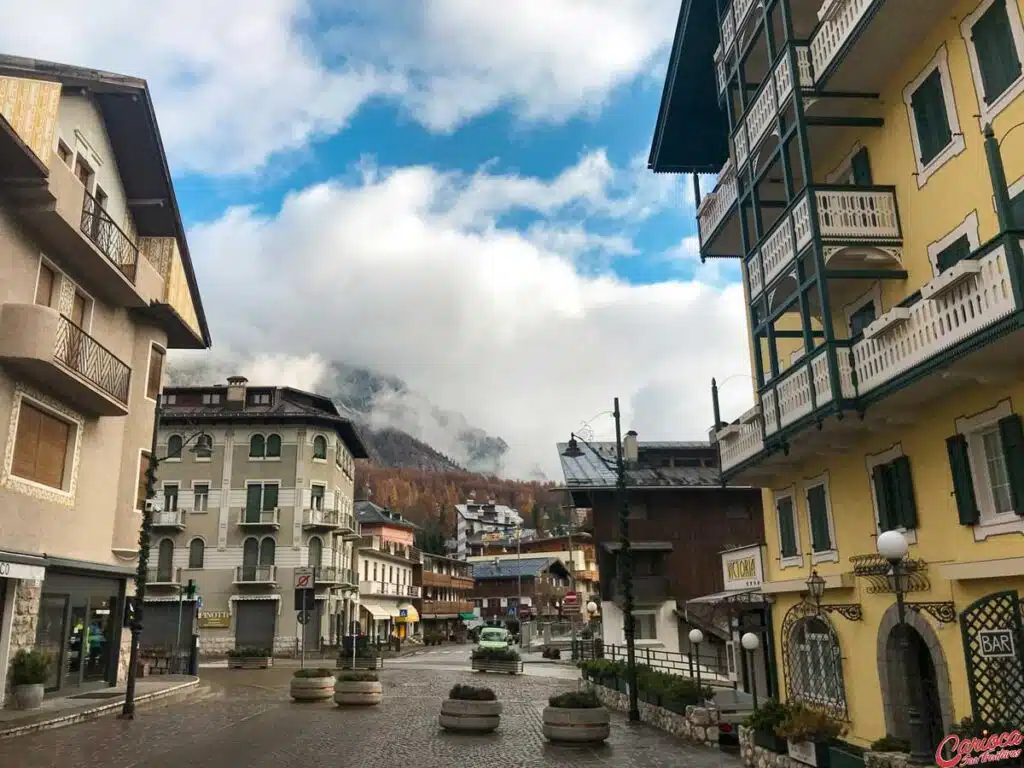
698 726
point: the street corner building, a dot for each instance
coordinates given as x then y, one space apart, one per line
96 285
389 566
870 174
254 483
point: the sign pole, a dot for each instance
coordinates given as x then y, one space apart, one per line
302 632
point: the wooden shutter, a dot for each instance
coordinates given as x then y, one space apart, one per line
787 530
903 493
253 496
269 497
883 496
1012 434
997 54
963 483
929 106
274 446
140 494
862 318
26 441
820 538
78 310
156 372
44 288
40 446
956 251
861 168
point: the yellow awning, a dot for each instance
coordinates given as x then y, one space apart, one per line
411 615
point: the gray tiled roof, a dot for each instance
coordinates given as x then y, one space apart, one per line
512 568
368 513
596 468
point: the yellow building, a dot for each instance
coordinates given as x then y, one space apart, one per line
879 229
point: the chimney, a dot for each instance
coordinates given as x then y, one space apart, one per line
236 392
630 451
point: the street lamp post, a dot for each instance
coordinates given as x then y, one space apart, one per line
750 643
128 709
696 638
892 545
626 556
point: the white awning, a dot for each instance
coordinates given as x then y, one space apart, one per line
376 610
731 596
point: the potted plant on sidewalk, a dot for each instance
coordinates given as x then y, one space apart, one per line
366 657
358 688
312 684
29 670
250 658
470 710
576 717
808 733
763 722
497 660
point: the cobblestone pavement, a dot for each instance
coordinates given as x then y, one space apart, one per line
246 719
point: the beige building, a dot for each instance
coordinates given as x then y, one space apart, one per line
387 560
258 482
96 284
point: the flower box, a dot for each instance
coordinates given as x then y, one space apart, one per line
509 667
890 320
813 753
951 277
770 741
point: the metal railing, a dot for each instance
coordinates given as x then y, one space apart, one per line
386 588
168 518
257 517
77 350
163 575
713 665
108 237
256 574
326 518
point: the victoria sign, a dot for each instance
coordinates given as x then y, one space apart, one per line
992 748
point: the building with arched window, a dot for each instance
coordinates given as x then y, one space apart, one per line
258 483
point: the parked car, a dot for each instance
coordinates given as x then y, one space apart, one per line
494 638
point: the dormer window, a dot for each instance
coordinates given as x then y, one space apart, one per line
211 398
259 398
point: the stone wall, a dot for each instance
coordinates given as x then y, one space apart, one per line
23 623
698 726
124 658
759 757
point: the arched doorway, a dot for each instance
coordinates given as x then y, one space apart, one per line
922 661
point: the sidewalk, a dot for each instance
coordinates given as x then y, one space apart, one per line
59 711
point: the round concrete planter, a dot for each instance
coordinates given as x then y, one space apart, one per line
576 725
28 696
357 693
312 688
470 716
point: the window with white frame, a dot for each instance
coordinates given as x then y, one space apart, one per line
787 529
955 245
986 459
995 49
863 311
934 124
819 521
200 497
170 497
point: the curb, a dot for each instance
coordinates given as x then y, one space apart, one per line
182 689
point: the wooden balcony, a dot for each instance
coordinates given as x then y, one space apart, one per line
431 579
445 608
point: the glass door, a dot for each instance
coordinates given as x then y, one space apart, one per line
50 633
98 635
76 641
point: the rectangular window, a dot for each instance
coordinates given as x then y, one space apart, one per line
994 46
140 495
787 527
259 398
956 251
929 106
170 498
817 510
211 399
101 197
987 466
170 399
269 496
44 288
894 495
41 446
645 626
995 470
860 168
200 497
64 153
83 172
316 497
366 571
862 318
156 372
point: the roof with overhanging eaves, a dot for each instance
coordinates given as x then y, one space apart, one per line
691 134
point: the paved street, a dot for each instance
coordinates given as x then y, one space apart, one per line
247 719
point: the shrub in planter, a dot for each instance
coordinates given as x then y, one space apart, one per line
250 658
367 657
29 671
577 718
357 688
312 684
469 709
763 723
890 743
808 732
497 660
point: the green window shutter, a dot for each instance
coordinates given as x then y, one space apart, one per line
956 251
253 496
821 541
787 527
883 496
903 492
861 168
963 484
862 318
929 106
1012 433
997 54
274 446
270 497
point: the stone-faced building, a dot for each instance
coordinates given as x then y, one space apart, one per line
96 284
258 482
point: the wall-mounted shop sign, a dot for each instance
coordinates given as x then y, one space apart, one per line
743 568
9 570
214 620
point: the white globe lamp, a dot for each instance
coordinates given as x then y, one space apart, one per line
750 642
892 545
591 607
696 636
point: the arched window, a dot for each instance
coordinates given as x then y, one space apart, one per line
319 447
196 553
257 447
273 446
268 549
174 447
165 561
250 558
815 664
316 552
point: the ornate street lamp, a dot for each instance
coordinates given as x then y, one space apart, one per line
893 546
816 588
696 638
750 643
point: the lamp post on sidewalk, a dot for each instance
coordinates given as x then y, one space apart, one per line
626 556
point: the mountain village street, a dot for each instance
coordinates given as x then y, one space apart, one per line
245 718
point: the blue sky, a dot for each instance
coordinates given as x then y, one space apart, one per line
449 191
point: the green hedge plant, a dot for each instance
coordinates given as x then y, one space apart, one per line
358 677
495 654
250 653
30 667
314 673
471 693
574 700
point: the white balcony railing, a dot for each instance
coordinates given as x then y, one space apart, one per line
388 589
169 518
739 441
256 518
320 518
714 206
256 574
841 19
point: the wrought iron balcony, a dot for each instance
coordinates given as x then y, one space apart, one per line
163 576
80 352
259 518
256 574
109 238
169 518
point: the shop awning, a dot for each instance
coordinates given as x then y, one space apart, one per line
376 610
411 615
467 616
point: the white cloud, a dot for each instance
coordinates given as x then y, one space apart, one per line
238 81
409 271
